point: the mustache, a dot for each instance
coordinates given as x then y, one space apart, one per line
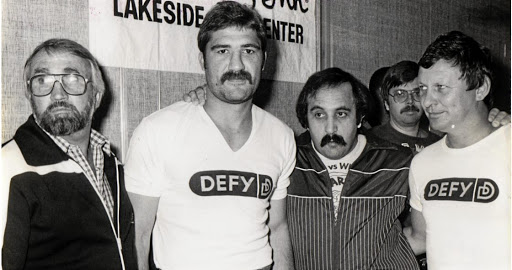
61 104
332 138
236 75
410 108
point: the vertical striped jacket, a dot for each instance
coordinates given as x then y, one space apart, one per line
368 234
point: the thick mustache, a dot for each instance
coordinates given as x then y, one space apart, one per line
410 108
236 75
332 138
60 104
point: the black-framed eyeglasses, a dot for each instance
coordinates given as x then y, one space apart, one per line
401 96
42 84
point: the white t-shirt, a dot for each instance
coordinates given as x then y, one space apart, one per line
338 169
213 202
464 195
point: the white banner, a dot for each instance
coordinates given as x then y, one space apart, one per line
162 35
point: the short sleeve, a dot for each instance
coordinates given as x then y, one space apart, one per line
289 165
143 168
415 200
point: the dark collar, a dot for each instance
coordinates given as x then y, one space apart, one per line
37 148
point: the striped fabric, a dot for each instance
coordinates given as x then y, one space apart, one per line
98 144
368 234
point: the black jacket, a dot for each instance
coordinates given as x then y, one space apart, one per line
55 219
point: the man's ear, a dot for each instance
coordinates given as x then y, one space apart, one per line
361 121
386 105
264 61
201 60
97 98
27 93
482 91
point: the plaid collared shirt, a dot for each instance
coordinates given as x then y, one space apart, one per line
98 143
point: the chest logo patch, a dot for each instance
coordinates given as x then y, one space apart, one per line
231 183
481 190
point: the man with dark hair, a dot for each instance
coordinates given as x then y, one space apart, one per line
66 206
347 190
377 114
215 176
401 97
460 186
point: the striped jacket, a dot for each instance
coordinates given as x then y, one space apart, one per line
368 234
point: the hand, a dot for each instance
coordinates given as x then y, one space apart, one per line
196 96
498 118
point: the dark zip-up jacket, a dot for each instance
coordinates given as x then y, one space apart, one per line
55 219
368 233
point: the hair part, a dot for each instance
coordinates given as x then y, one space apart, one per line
331 77
56 46
398 74
472 59
231 14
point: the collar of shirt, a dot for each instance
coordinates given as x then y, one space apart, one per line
99 145
96 140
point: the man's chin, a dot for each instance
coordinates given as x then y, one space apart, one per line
332 151
62 126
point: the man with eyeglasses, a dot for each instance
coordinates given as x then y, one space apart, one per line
400 93
64 205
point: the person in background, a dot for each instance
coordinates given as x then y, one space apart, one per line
401 97
209 182
377 114
66 207
461 209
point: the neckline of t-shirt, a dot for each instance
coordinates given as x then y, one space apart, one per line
210 122
498 132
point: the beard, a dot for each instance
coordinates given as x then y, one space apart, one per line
64 124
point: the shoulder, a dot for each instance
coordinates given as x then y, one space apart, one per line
389 153
378 129
170 117
270 123
428 153
173 111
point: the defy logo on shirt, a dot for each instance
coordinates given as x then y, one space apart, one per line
231 183
480 190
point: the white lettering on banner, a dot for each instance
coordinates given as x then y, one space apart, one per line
142 34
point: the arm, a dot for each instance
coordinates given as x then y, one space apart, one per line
498 118
416 234
17 229
144 208
279 235
196 96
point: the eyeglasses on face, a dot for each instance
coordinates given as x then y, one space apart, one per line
43 84
401 96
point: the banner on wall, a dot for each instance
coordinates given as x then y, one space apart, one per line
162 35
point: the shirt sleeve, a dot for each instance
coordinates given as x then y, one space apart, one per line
289 165
17 229
144 173
415 200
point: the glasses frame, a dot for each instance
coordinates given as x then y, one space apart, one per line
409 93
58 77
